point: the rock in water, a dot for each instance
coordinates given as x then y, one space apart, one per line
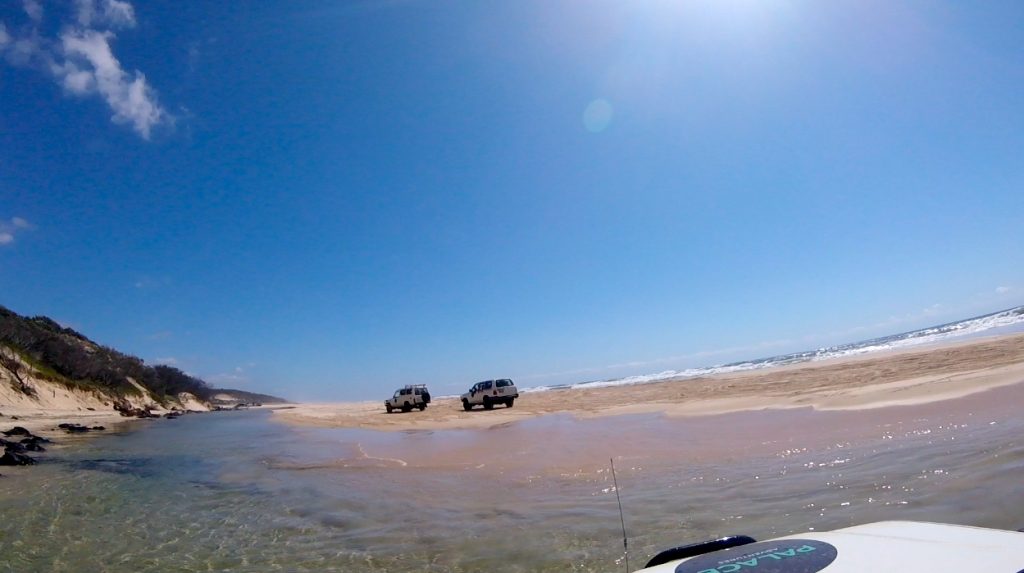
13 446
35 440
13 459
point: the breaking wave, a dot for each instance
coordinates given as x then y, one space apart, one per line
1003 320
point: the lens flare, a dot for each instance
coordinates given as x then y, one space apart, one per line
598 115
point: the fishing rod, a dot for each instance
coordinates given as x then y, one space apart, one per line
622 519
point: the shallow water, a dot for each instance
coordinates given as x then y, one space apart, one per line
239 492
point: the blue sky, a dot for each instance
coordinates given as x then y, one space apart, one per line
327 199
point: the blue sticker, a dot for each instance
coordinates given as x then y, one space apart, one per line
782 556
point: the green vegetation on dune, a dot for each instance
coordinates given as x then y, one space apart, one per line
67 357
249 397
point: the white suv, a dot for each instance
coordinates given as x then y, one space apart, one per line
405 399
490 392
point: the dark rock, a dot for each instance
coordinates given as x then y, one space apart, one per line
27 444
172 415
15 459
15 447
125 409
73 428
98 428
35 440
91 409
14 417
17 431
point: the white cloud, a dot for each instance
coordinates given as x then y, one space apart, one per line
8 229
74 79
129 96
119 13
1003 289
23 51
145 282
34 10
111 13
81 59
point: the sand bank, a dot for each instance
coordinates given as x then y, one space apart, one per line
53 404
905 377
50 404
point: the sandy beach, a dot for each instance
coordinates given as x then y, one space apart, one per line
54 404
907 377
808 446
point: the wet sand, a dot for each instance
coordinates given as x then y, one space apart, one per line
765 472
908 377
241 492
563 445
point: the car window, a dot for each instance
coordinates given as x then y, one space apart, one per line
503 383
485 385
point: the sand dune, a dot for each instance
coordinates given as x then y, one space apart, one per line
49 403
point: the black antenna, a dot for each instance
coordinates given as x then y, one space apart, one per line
622 520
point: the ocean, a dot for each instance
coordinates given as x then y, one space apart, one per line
997 323
237 491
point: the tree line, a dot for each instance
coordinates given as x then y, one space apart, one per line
66 356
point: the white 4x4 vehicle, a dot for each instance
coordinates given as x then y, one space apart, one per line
490 392
405 399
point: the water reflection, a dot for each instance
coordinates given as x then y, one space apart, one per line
237 492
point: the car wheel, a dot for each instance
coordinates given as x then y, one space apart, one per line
388 407
466 405
487 403
406 407
509 402
422 406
